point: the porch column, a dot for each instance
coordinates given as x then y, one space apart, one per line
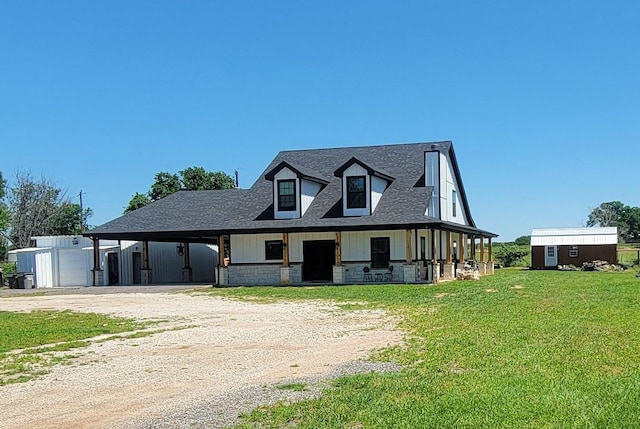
449 260
434 258
338 248
146 270
473 247
409 248
490 253
223 274
482 249
339 270
98 274
285 269
187 271
463 246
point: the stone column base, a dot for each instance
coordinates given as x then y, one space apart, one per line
409 273
146 277
187 275
339 274
285 275
490 268
223 276
448 270
98 277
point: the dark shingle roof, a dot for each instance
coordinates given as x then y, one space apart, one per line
192 214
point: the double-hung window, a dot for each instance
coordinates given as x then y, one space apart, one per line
356 192
287 195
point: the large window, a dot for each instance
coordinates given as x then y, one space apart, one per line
356 192
380 252
273 250
286 195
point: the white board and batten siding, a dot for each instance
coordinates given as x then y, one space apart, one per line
445 202
378 186
250 249
574 236
309 191
356 246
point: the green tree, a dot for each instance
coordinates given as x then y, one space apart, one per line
615 213
164 185
69 219
190 179
509 254
5 219
523 240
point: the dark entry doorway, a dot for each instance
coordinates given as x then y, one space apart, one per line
114 269
137 268
319 257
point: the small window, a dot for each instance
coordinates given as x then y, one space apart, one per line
273 250
286 195
454 202
356 192
380 252
573 251
551 252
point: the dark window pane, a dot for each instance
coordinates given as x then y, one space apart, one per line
273 249
380 252
356 192
286 195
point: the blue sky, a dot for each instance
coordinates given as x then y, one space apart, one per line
541 99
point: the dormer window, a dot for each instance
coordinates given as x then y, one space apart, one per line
287 195
356 192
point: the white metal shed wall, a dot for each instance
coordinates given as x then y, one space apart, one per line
574 236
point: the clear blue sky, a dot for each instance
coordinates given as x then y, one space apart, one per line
541 100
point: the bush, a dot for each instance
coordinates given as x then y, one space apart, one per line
510 254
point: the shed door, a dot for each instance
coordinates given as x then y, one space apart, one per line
550 256
73 267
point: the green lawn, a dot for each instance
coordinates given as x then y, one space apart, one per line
521 349
42 335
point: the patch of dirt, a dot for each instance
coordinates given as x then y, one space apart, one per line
224 346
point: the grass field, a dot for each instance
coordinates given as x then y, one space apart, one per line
521 349
42 337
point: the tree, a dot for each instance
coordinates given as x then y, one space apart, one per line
69 219
523 240
38 207
5 219
615 213
190 179
137 201
509 254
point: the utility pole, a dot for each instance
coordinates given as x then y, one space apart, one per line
81 213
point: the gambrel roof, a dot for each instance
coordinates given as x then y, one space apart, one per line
204 215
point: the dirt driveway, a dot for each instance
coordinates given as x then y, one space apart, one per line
199 376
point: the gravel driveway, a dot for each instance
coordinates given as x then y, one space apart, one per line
226 360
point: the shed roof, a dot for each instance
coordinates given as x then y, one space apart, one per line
574 236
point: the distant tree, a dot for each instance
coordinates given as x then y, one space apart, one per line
69 219
509 254
137 201
164 185
39 207
5 220
190 179
523 240
615 213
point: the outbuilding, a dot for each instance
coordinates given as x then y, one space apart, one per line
551 247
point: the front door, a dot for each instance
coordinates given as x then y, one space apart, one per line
550 256
319 257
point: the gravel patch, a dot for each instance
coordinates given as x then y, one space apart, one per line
214 359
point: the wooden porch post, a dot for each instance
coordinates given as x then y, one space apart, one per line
221 251
473 247
481 249
145 255
409 248
463 246
338 248
96 260
433 246
285 249
449 247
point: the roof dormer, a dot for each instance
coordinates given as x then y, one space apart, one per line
362 187
293 190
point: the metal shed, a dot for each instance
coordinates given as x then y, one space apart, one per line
551 247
